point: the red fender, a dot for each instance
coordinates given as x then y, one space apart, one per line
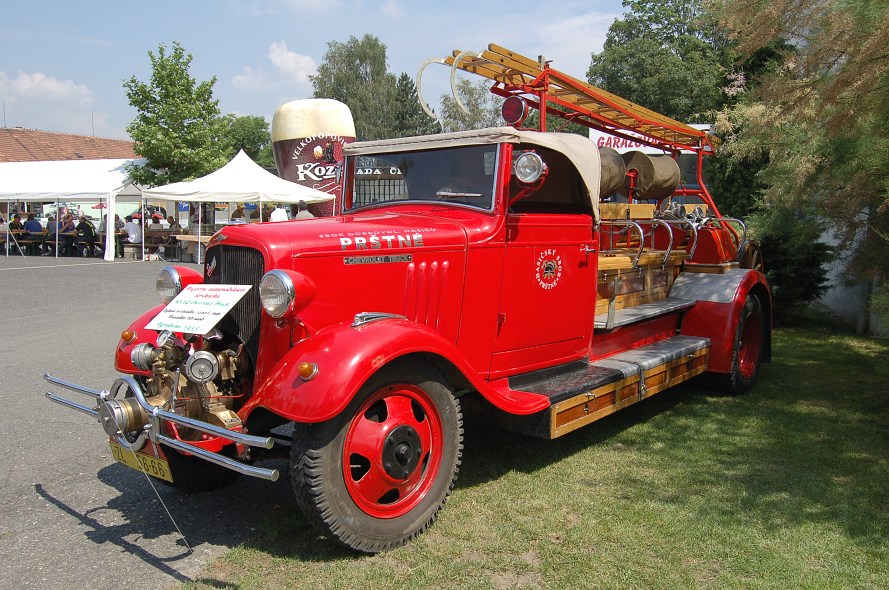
122 362
718 311
346 358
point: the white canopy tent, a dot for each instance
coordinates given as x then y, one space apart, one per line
77 181
241 180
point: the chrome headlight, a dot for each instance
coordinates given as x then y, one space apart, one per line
276 293
168 284
529 167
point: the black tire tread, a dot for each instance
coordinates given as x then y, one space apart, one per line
307 473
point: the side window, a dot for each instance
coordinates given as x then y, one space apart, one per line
562 191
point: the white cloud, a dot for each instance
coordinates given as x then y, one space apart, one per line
392 8
44 89
251 79
291 70
293 67
569 42
38 101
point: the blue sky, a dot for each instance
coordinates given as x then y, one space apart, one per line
62 64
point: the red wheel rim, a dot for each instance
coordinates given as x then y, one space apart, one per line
748 347
392 452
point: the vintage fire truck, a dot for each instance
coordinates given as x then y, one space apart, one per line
523 272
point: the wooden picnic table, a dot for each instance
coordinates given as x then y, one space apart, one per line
192 245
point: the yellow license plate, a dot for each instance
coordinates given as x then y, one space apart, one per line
141 462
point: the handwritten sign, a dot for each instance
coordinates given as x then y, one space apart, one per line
198 308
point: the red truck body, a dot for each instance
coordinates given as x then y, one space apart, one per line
369 332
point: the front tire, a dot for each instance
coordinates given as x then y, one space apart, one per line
377 475
749 344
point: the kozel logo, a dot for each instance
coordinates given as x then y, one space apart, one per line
549 268
325 151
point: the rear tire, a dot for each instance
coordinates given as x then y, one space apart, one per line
749 344
377 475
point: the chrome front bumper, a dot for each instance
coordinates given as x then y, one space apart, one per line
103 411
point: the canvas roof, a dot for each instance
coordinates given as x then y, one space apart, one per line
79 181
66 180
241 180
581 151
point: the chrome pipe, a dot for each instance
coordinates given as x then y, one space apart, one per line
265 442
221 460
73 405
73 386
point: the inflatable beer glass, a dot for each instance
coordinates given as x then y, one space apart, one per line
307 139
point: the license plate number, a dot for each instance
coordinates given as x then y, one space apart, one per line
141 462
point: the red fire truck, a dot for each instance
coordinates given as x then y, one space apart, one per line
527 273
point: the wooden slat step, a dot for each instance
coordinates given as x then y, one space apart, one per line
645 311
647 357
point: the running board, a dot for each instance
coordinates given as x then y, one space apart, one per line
615 318
583 394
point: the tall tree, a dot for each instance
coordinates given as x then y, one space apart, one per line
251 134
356 73
483 107
666 55
408 117
822 118
178 128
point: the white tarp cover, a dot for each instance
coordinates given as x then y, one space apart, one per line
241 180
71 181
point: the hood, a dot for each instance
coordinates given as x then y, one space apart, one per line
362 234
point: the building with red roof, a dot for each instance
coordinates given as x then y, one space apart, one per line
29 145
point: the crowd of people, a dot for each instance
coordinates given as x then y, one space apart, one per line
76 234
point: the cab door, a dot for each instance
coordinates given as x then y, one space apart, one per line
548 294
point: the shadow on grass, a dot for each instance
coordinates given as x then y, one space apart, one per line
809 444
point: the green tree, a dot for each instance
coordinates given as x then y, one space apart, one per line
483 107
408 117
356 73
822 118
666 55
251 134
178 128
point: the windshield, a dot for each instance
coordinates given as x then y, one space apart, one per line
461 175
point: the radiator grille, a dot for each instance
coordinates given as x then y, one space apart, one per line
236 265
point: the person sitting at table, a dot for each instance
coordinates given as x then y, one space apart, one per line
68 236
134 232
278 214
171 221
34 233
52 229
155 223
238 213
16 223
86 233
32 226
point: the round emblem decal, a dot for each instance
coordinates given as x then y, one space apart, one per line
549 268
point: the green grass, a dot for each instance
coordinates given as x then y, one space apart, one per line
785 487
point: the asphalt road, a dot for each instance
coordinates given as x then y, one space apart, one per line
70 517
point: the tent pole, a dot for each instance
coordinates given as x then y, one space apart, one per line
197 247
7 229
142 217
57 228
